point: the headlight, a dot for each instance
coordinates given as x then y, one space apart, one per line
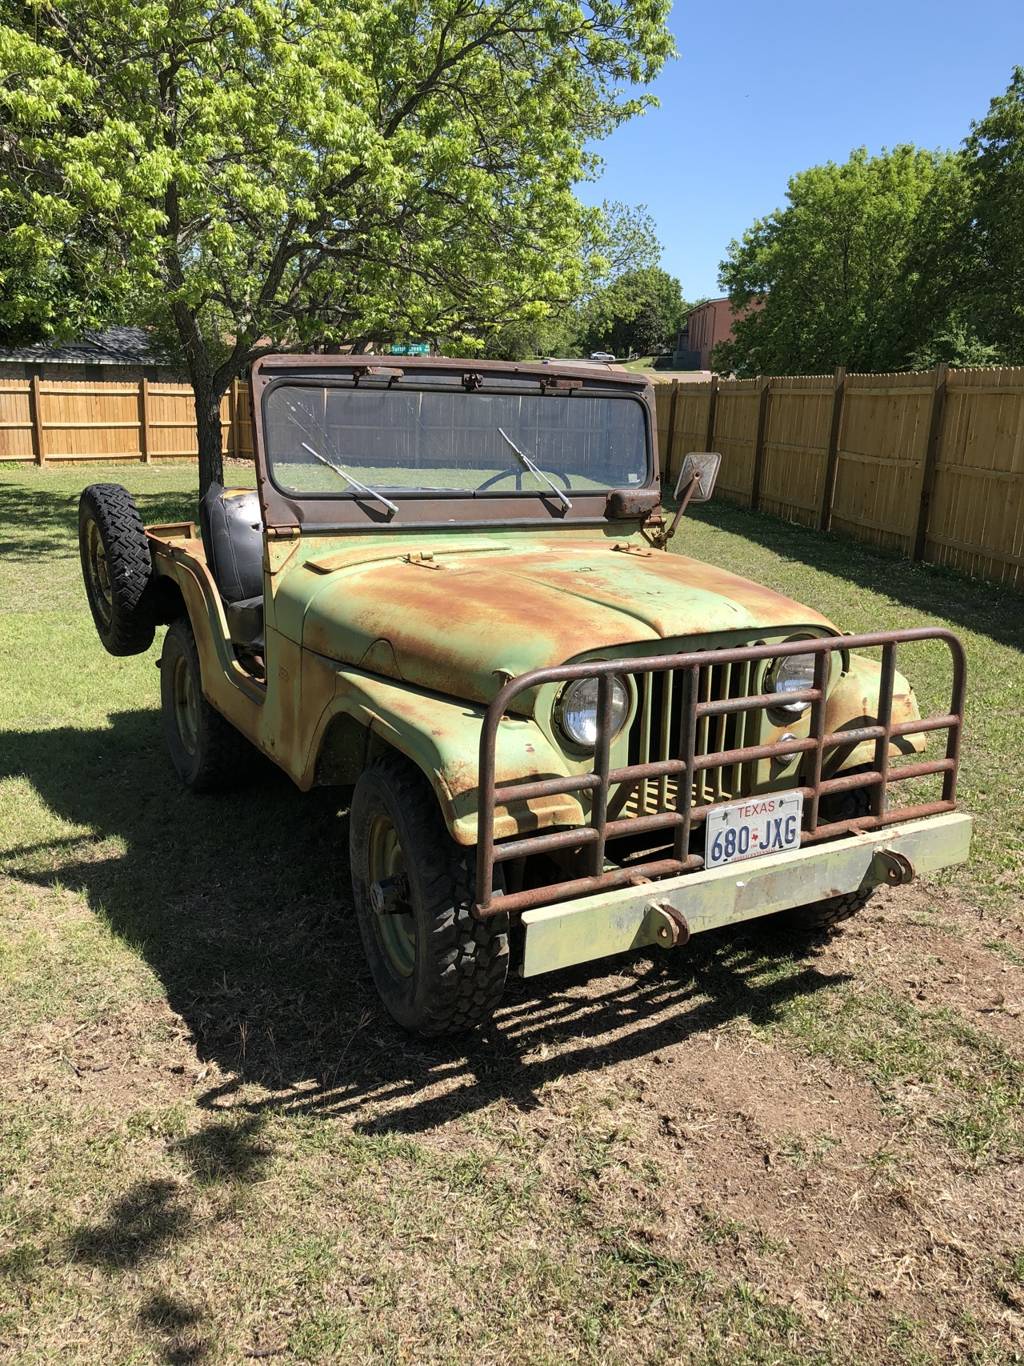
576 710
791 673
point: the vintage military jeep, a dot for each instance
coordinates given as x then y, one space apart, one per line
450 591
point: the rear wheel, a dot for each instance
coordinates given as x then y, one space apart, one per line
206 750
117 569
437 969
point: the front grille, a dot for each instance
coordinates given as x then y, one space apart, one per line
676 743
656 734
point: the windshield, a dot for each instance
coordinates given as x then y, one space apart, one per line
372 443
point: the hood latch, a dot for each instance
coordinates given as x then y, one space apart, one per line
424 558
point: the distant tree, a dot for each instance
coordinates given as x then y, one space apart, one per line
254 175
839 267
638 313
992 293
553 334
620 239
956 344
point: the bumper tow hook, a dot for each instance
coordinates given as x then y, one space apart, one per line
896 867
669 925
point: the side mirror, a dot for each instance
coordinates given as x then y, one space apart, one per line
701 467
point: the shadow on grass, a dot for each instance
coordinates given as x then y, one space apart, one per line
38 523
139 1226
176 1326
240 905
942 593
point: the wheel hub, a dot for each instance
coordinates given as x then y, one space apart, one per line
186 705
99 571
389 897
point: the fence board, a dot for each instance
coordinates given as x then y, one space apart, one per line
969 508
796 441
735 436
976 520
16 440
692 403
882 440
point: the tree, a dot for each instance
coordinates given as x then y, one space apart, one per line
993 292
637 313
259 175
838 267
621 239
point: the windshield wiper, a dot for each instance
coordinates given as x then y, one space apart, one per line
536 470
350 478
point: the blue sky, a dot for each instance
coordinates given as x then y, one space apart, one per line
761 90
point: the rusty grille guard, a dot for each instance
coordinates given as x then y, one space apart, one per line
685 814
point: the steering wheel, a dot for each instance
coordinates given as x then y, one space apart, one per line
518 474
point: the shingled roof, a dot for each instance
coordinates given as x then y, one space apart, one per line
115 346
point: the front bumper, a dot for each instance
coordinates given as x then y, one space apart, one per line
632 917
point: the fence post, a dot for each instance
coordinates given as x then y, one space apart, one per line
762 422
668 472
931 457
709 437
35 412
828 488
144 420
233 416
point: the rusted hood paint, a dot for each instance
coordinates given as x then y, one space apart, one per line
485 609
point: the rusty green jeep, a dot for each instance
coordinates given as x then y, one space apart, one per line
450 592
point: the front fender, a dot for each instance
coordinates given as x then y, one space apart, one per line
442 738
853 702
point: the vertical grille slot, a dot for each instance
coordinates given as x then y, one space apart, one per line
657 732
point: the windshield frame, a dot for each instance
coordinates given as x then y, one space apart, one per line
344 509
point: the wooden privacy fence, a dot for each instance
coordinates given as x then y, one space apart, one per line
930 464
52 420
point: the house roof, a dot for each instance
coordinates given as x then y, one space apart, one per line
114 346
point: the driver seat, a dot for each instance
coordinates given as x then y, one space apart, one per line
232 530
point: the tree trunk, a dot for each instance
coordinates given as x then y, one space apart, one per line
208 425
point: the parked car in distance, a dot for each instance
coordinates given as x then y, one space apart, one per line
605 356
448 597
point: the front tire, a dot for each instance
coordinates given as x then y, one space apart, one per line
436 968
822 918
207 752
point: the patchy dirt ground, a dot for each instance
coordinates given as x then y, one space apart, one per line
676 1157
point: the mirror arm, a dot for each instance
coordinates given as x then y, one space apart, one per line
663 535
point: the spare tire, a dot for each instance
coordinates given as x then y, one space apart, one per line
117 569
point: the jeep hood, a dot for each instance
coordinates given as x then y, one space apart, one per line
462 620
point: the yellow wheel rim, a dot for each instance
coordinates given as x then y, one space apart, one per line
396 930
185 695
99 572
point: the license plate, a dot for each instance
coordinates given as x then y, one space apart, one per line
748 829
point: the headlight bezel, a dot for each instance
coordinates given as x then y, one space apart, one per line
792 711
576 739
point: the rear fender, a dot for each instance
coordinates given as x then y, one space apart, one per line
226 685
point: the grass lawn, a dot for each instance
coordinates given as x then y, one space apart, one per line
214 1146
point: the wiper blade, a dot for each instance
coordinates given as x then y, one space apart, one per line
355 483
535 469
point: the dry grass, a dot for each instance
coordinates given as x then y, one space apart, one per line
213 1146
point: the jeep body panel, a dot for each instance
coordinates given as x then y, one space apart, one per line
412 607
